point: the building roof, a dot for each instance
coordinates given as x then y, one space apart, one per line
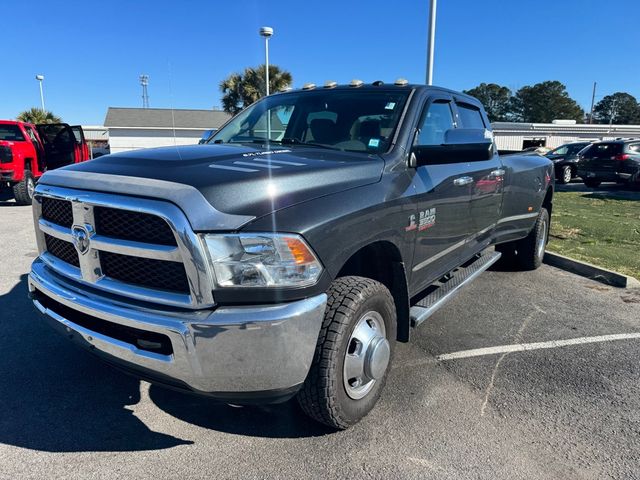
563 129
164 118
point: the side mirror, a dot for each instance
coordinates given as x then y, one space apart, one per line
460 145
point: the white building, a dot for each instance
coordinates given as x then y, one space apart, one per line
513 137
134 128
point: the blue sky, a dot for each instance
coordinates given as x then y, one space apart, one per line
92 53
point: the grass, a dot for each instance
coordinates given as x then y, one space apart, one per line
598 228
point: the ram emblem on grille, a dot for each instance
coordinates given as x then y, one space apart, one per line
81 239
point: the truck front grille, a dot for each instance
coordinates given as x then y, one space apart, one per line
57 211
146 272
136 226
123 245
65 251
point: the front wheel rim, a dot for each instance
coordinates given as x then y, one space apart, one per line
542 239
567 175
367 356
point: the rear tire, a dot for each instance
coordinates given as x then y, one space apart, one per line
591 183
566 174
528 253
23 190
359 328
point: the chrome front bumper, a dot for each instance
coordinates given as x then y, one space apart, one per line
230 352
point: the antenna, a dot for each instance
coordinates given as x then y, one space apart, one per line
144 81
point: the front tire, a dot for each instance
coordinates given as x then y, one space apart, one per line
354 350
23 190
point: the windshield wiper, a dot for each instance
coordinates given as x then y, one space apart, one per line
295 141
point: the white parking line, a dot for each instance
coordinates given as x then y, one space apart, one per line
521 347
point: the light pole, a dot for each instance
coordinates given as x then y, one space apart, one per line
431 41
40 78
266 32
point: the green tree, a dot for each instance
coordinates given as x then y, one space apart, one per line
239 90
37 115
495 98
617 108
544 102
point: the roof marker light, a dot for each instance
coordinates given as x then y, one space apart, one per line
401 82
330 84
377 83
356 83
308 86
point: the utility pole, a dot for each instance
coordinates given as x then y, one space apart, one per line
593 99
431 41
144 81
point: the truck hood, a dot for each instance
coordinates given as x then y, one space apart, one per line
245 180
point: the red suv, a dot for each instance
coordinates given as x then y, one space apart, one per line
27 151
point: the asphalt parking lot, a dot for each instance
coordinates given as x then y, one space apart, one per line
555 412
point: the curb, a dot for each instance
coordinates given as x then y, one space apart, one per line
608 277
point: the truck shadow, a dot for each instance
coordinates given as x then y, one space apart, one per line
285 420
57 398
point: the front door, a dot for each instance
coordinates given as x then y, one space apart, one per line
441 219
82 149
59 144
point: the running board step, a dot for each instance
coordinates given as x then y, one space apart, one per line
443 291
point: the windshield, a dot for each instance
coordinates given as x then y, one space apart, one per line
351 120
11 133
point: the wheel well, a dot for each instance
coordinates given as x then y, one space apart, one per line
381 261
27 164
547 203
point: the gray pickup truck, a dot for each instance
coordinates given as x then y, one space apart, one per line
287 255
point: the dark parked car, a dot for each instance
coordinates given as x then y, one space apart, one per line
565 160
611 161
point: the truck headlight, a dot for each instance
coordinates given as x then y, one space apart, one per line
261 260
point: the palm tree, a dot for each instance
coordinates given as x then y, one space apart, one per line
37 115
239 90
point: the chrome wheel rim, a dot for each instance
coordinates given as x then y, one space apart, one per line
542 239
367 356
567 175
31 187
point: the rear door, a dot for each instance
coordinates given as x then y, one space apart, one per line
441 221
600 159
82 149
59 144
488 182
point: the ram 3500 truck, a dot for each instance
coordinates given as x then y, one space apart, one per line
288 254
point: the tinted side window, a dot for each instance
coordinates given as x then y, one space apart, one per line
603 150
470 116
634 148
436 122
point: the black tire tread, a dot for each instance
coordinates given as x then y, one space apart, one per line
318 394
20 190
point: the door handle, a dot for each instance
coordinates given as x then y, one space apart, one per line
498 172
462 181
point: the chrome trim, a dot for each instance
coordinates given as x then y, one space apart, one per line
229 349
189 250
462 181
513 218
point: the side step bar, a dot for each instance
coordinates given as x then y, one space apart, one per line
445 290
